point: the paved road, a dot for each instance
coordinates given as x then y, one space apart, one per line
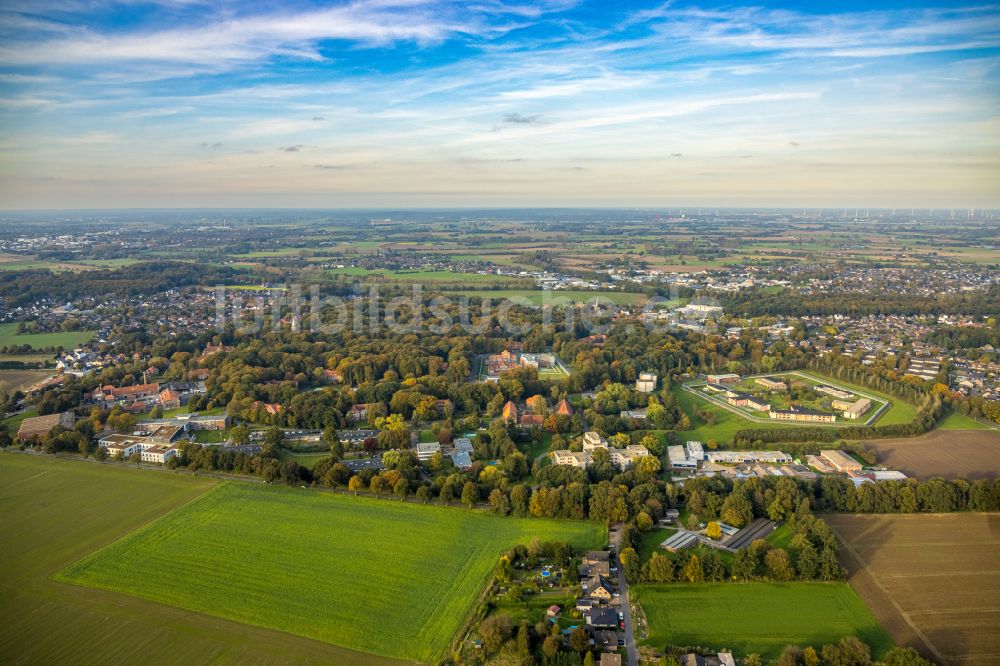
626 607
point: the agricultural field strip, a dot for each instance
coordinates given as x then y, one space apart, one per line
885 405
895 590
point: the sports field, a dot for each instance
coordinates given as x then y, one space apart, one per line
757 617
951 454
389 578
930 579
10 337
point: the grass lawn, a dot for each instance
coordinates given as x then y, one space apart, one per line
956 421
13 423
9 336
210 436
651 541
726 422
757 617
567 297
308 460
390 578
421 276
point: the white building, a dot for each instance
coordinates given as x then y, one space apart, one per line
625 458
695 450
646 382
426 449
679 459
745 457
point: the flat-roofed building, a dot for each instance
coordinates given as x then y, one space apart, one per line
804 415
747 457
593 440
858 409
833 391
679 459
625 458
427 449
770 384
695 450
728 378
572 458
646 383
840 461
158 454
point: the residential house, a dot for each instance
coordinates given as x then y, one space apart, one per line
603 617
563 408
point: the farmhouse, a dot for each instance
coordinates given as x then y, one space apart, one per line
105 395
646 383
38 426
729 378
800 414
840 461
771 384
835 392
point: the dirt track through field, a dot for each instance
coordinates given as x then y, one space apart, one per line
952 454
932 580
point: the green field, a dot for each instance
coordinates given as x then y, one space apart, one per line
390 578
422 276
567 297
956 421
9 336
757 617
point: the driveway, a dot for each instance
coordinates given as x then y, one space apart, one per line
626 608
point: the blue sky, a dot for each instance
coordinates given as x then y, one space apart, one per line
497 103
